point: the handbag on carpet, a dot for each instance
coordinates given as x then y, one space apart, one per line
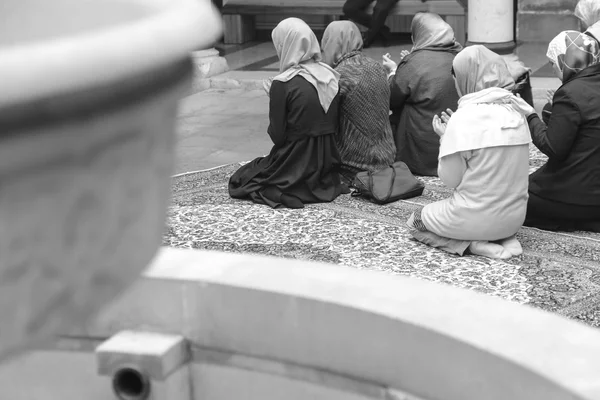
388 184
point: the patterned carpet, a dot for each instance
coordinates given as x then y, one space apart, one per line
558 272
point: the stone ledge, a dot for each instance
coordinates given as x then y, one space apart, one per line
399 332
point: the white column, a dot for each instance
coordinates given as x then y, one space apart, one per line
208 63
492 23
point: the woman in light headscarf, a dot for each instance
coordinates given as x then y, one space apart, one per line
484 157
422 86
557 50
302 166
588 12
364 139
564 194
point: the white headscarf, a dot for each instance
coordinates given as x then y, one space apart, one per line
488 115
299 54
557 48
572 52
588 11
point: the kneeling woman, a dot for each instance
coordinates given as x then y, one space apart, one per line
484 157
365 138
302 166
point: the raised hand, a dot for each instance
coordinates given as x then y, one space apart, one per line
439 126
389 65
403 54
446 115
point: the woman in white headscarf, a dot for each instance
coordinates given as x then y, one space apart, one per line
582 55
303 164
484 158
421 86
365 138
588 12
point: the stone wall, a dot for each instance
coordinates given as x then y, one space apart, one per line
541 20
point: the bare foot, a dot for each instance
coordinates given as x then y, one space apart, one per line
512 245
488 249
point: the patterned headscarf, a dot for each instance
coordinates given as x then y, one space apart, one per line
429 30
588 11
572 52
557 48
340 39
299 54
477 68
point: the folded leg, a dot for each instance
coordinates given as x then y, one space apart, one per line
452 246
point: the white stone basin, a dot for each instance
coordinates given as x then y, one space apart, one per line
88 97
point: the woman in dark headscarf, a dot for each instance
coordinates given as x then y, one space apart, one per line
302 166
564 194
364 139
422 87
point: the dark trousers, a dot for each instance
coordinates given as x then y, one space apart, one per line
556 216
355 10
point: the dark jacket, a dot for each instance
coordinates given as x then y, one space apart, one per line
572 143
421 88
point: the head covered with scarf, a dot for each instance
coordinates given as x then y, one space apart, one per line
299 54
477 68
431 32
588 11
340 39
488 114
572 52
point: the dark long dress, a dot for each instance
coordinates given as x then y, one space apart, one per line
421 88
303 163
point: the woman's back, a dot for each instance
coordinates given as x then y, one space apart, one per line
423 87
572 174
365 137
298 101
494 183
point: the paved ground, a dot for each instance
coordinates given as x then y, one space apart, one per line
219 127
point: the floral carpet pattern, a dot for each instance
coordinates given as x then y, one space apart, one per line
558 272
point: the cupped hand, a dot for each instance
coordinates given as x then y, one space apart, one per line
446 115
389 64
522 106
439 126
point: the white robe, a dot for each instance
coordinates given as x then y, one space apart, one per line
489 201
484 157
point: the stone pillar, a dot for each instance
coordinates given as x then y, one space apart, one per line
208 63
492 23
